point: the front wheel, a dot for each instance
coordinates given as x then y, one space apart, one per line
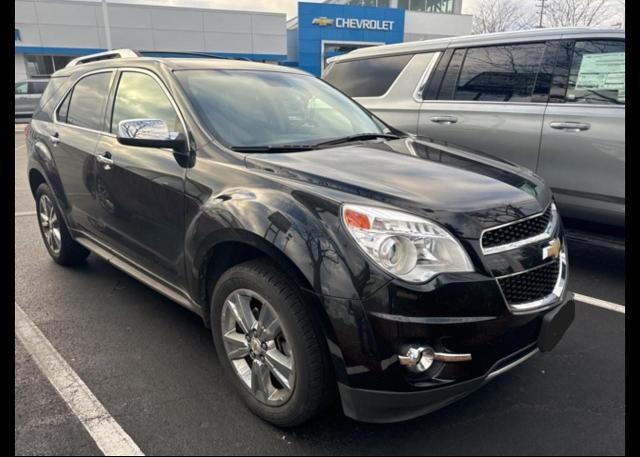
270 344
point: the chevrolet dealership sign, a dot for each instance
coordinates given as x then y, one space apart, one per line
353 23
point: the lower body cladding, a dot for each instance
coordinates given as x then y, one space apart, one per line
429 349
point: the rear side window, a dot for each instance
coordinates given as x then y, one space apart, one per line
499 73
51 89
367 77
451 76
63 109
37 87
88 99
597 73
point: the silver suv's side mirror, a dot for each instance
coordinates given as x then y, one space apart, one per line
151 133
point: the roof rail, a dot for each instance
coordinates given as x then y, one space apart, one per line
189 53
115 54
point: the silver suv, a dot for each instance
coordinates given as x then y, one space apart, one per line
551 100
28 95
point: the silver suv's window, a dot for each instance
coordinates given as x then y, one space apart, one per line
356 77
255 108
30 87
504 73
597 72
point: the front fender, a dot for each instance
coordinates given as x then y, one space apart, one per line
305 229
301 226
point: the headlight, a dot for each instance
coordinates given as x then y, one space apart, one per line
407 246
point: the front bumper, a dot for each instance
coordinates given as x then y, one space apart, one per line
381 406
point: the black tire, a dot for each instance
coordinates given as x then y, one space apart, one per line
315 385
69 252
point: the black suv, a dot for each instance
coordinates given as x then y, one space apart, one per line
329 253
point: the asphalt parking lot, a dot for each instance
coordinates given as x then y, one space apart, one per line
153 367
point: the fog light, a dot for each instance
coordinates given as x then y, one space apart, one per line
417 358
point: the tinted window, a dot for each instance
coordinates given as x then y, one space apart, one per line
451 76
597 73
86 107
37 87
52 88
500 73
140 97
431 89
562 66
63 109
367 77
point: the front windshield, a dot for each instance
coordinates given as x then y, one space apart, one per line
244 108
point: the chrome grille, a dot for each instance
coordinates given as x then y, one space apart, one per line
530 285
517 231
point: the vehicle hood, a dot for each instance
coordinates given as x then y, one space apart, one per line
456 187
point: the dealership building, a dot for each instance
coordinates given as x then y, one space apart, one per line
49 33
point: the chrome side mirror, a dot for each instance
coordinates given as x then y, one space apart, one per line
151 133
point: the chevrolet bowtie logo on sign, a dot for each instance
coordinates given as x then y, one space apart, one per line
552 250
322 21
352 23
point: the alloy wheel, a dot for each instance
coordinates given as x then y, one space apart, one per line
50 224
257 346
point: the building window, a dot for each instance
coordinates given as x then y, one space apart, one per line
439 6
429 6
39 66
378 3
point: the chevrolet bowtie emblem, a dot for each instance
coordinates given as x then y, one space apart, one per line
552 250
322 21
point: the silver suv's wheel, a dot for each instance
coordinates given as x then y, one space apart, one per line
271 344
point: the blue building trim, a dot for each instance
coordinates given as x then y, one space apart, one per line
44 50
326 22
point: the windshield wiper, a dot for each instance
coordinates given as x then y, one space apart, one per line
274 148
359 137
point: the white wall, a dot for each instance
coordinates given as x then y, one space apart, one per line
21 69
59 23
424 26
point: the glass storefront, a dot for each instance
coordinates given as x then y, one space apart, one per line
43 66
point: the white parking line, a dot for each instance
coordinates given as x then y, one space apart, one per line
105 431
600 303
25 213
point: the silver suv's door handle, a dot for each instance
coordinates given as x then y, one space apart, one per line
106 160
570 126
54 139
446 120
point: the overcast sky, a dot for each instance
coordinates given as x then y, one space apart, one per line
290 6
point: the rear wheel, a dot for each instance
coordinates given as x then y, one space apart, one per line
55 234
270 344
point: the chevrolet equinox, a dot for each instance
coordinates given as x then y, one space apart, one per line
330 254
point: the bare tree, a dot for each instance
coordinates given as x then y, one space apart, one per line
577 13
500 16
